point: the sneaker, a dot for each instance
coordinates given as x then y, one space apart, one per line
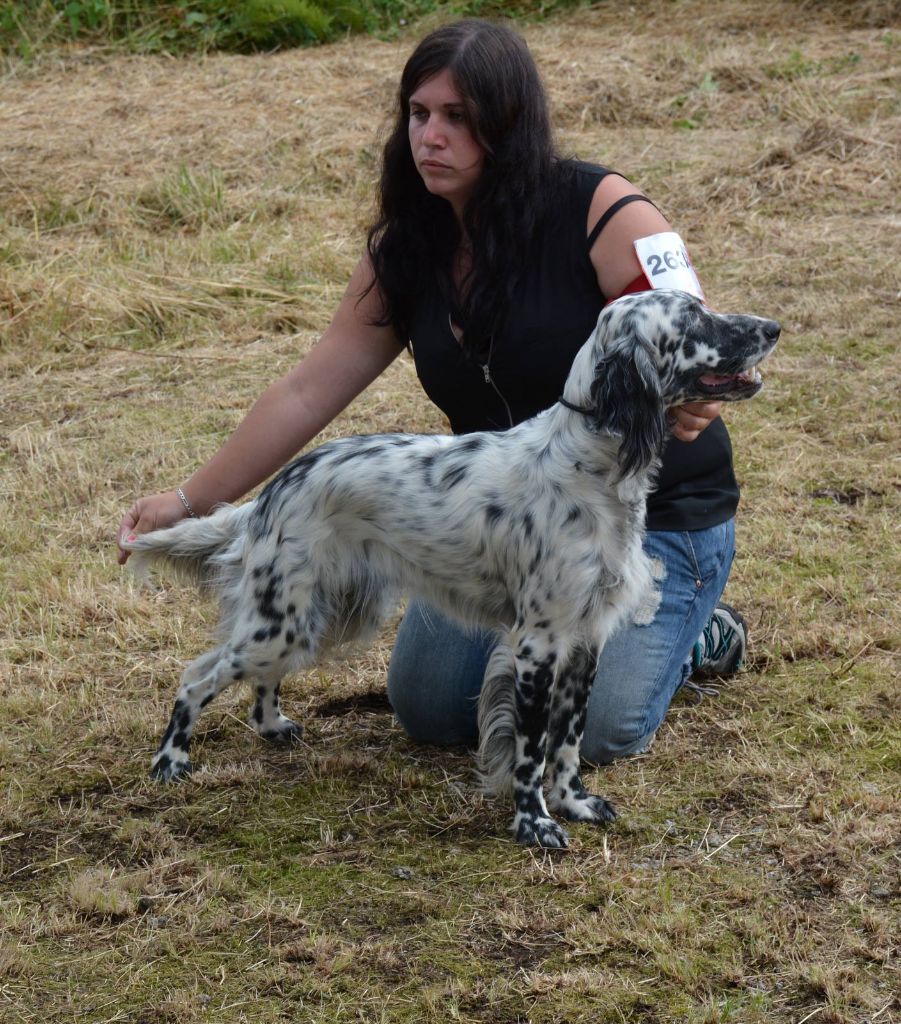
720 649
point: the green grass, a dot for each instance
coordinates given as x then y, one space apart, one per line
29 27
176 233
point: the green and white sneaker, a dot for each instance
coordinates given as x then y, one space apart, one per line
720 649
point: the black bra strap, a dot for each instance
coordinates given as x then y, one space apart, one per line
609 212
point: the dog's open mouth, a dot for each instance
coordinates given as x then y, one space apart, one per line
745 383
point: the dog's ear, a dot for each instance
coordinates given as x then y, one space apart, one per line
627 400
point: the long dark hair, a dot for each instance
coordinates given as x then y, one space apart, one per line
412 242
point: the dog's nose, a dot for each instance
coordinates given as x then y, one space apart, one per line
771 331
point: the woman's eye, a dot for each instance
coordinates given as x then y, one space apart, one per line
418 114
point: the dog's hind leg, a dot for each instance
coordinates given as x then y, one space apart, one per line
266 716
567 796
201 681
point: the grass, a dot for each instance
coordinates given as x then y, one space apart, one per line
173 234
29 27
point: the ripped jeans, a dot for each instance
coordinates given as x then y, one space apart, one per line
436 668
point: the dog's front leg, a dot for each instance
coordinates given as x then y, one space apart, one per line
567 796
535 661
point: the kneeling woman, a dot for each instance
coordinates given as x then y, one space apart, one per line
490 260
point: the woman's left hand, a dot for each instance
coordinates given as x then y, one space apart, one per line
687 421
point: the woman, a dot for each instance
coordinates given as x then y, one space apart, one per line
491 260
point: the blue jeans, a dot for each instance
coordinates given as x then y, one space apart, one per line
436 668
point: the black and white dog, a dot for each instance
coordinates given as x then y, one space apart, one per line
535 532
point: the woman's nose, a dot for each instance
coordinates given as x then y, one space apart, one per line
432 135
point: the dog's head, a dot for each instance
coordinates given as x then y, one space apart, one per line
657 349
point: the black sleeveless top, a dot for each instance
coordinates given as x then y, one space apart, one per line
556 306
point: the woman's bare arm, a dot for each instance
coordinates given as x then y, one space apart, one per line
616 265
351 353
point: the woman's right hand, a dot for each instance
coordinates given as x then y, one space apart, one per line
152 513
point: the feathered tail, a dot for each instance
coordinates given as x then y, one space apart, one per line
202 550
497 722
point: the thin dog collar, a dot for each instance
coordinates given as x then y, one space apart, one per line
575 408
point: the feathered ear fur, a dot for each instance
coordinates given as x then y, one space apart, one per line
627 400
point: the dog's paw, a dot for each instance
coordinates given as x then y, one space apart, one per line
537 831
286 732
584 807
164 768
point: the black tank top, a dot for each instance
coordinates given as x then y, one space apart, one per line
555 309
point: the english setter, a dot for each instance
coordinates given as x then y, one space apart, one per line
535 532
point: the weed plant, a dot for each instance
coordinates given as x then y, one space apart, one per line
180 26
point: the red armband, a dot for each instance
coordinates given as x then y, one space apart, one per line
640 284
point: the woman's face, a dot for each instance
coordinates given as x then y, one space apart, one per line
445 152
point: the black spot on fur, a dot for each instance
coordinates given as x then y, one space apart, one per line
266 599
356 448
290 479
494 514
451 477
167 735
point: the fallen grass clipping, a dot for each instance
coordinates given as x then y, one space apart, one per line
174 234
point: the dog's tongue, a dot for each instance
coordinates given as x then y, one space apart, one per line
713 379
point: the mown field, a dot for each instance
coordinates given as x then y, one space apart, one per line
176 232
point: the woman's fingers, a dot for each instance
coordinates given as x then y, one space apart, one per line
148 514
689 420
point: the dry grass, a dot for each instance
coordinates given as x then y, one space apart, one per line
174 233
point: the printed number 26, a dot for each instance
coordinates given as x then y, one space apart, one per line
659 264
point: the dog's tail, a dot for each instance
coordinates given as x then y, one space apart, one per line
201 550
497 722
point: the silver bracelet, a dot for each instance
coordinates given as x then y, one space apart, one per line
185 502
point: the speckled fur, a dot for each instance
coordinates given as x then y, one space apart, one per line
535 532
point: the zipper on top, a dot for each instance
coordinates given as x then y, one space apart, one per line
485 367
488 380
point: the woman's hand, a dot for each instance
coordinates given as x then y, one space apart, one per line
153 513
687 421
